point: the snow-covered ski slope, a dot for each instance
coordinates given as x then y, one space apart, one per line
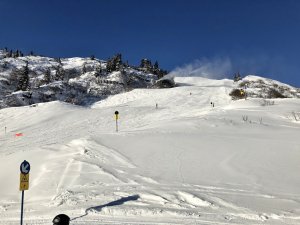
184 162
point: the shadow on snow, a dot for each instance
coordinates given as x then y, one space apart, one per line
113 203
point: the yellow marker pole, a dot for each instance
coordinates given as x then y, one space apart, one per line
117 117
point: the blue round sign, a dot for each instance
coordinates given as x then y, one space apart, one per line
25 167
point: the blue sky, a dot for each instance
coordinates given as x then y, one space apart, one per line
250 36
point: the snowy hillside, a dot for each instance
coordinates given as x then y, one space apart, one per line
175 160
26 80
259 87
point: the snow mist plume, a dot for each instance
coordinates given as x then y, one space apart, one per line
214 69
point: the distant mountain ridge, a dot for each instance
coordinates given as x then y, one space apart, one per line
26 80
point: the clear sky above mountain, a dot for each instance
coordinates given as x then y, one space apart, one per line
247 36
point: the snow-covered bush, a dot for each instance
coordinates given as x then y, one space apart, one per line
273 93
237 94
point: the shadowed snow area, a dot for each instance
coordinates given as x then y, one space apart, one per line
182 162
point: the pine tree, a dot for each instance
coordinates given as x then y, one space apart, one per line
23 83
109 65
118 61
155 69
237 77
146 64
83 69
47 76
58 60
155 66
9 54
98 71
114 63
60 73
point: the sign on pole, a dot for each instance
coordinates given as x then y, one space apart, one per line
24 182
117 117
25 167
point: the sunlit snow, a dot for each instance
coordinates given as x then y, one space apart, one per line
182 162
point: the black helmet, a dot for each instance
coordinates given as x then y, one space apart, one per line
61 219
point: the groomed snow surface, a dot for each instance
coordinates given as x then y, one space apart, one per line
184 162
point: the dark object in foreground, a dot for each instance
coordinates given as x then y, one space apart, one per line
61 219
